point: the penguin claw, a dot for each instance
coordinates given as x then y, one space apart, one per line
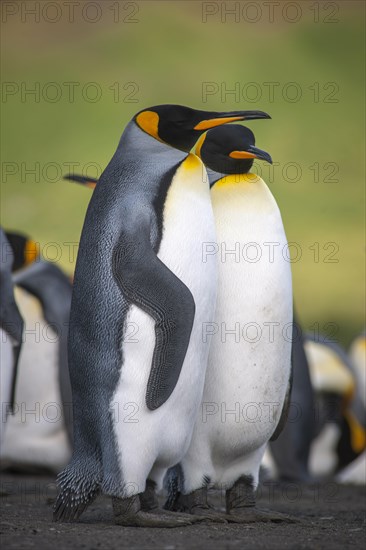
250 515
198 516
208 515
150 520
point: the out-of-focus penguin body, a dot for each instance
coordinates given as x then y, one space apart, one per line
248 372
39 434
339 412
141 294
357 353
291 449
11 329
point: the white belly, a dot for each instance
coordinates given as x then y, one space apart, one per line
249 361
6 377
152 441
35 436
355 472
358 357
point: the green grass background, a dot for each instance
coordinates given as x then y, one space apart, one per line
169 53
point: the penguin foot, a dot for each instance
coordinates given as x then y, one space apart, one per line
196 504
204 514
241 508
208 514
256 515
196 517
127 512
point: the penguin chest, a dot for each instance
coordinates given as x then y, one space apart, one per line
188 225
164 434
249 361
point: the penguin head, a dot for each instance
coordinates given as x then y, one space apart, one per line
25 250
180 126
230 150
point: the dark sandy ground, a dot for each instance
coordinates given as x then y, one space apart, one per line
330 516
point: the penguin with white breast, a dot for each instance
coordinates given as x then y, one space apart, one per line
139 269
39 434
248 372
11 330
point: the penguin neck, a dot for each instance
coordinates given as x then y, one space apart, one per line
214 176
138 143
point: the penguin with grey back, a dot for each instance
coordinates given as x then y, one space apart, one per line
139 265
227 446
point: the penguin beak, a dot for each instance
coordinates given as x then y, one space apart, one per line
218 119
251 153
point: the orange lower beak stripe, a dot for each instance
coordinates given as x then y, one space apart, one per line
207 124
242 155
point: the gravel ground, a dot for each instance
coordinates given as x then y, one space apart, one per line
330 516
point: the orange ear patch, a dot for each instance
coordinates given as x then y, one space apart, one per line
149 122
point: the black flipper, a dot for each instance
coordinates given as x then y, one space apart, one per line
83 180
148 283
10 319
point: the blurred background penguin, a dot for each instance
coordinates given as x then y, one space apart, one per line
38 434
11 333
325 434
340 414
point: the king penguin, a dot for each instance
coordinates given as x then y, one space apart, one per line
141 293
11 331
38 435
248 374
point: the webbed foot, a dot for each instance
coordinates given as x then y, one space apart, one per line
254 515
241 508
127 512
196 504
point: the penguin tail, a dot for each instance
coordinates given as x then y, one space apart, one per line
79 486
173 482
83 180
